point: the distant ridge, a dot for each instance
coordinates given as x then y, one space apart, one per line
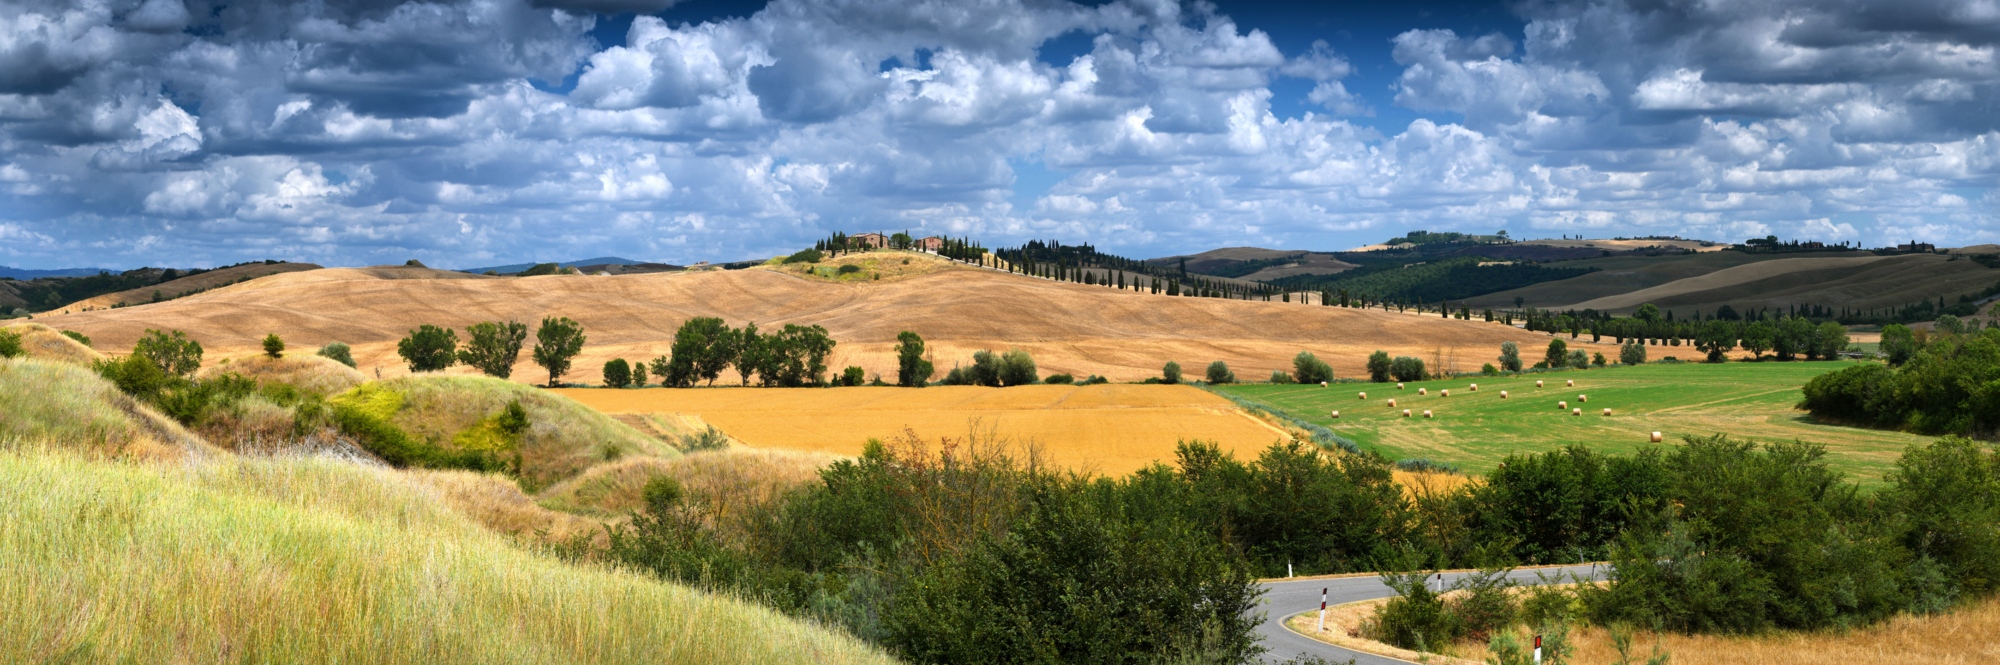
518 267
23 273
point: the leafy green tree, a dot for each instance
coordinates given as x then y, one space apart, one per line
1557 355
853 376
1171 372
338 352
912 368
1832 340
1795 337
703 347
1648 313
1632 353
617 373
1578 360
492 347
1949 492
797 356
1406 368
1898 343
1218 373
429 348
174 354
1597 359
557 342
750 353
1017 368
1759 337
638 373
1510 356
1378 366
985 369
1716 339
10 345
1308 368
274 346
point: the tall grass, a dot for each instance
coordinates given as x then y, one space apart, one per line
47 343
59 401
307 561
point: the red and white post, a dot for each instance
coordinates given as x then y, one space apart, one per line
1538 650
1322 609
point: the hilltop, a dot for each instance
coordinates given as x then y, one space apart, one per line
1069 327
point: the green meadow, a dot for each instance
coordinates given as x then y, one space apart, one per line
1476 430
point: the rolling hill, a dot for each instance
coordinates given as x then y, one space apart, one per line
185 285
1708 280
1068 327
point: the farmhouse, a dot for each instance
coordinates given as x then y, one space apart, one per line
930 244
870 240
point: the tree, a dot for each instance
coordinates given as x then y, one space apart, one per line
1759 337
1017 368
853 376
1406 368
1378 366
796 356
493 346
174 354
557 342
10 345
429 348
1171 372
703 347
1578 360
1218 373
638 373
913 370
338 352
1557 355
1898 343
1832 340
1648 313
750 354
617 373
1632 353
1716 338
1597 359
1510 356
1308 368
274 346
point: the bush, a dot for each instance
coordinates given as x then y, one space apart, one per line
1510 357
174 354
1597 359
1579 360
1416 618
1218 373
10 345
1378 366
540 269
617 373
1060 379
79 337
853 376
1279 376
849 269
805 256
1017 368
1632 353
338 352
985 369
1171 373
1406 368
639 377
1308 368
429 348
1094 380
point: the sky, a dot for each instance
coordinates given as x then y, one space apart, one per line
198 133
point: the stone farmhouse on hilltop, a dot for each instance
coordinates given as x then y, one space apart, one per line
875 240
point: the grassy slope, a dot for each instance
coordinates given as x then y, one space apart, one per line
185 285
1890 282
47 343
1476 430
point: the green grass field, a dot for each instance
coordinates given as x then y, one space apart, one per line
1476 430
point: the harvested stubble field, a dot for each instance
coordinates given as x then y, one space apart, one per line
1104 429
1476 430
1120 334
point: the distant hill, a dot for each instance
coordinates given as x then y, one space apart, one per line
1257 264
23 273
518 267
175 288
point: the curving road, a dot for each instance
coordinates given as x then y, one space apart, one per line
1284 598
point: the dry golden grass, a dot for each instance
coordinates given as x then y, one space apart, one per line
1729 277
1108 429
43 400
310 561
175 288
1082 330
496 502
47 343
305 371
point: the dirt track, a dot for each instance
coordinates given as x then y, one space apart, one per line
1071 328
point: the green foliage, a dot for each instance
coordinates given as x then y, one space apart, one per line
617 373
493 347
1578 360
338 352
1899 343
175 354
1949 491
1489 370
849 269
1950 386
1406 368
703 347
79 337
1431 281
135 375
1557 355
1510 357
805 256
1633 353
1059 379
795 356
1170 373
913 370
1759 337
540 269
853 376
10 345
1378 366
557 342
1308 368
1017 368
1279 376
1716 339
638 373
365 413
1564 506
514 419
1416 618
1218 373
274 346
709 438
429 348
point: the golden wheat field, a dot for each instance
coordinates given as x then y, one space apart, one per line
1104 429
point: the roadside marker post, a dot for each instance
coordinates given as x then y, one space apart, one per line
1538 650
1322 609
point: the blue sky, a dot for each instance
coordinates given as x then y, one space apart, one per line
197 132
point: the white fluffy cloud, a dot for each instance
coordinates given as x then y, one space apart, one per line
465 132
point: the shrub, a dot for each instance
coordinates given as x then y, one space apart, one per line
1489 370
1510 356
853 376
638 373
274 346
617 373
1416 618
1060 379
10 345
79 337
540 269
1017 368
174 354
1218 373
338 352
1558 353
1094 380
492 347
958 376
805 256
912 368
1486 606
1632 353
429 348
1308 368
849 269
1171 373
1279 376
1406 368
1949 491
985 369
709 438
1579 360
556 343
1597 359
1378 366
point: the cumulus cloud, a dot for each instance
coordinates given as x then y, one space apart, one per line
465 131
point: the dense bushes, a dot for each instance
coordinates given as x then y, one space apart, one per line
1218 373
1406 368
1949 386
1307 368
1563 506
1378 366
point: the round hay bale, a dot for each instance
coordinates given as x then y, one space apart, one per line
1562 405
1583 398
1427 413
1503 394
1423 391
1538 383
1475 387
1322 384
1607 413
1336 414
1364 395
1406 413
1399 385
1576 412
1392 404
1571 383
1656 437
1444 393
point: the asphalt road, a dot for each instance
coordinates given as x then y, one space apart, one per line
1283 598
